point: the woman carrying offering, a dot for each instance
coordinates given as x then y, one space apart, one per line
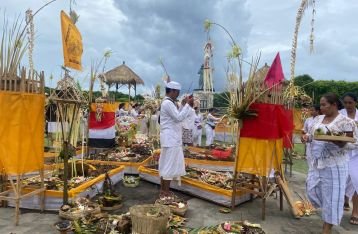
350 103
326 181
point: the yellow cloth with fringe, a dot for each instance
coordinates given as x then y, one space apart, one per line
257 156
71 42
22 123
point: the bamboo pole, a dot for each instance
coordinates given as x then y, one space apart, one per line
42 195
287 194
264 188
22 81
17 201
83 147
5 82
236 172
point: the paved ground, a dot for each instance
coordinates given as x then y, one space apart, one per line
200 213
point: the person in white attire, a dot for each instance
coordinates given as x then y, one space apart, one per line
133 112
171 161
326 180
188 127
350 110
314 112
210 127
121 111
198 127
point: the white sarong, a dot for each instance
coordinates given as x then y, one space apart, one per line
325 189
197 136
352 182
171 163
210 134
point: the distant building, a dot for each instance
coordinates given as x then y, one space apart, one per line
206 97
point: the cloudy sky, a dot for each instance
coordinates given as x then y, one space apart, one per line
139 32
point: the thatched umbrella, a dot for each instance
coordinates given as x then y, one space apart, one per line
123 75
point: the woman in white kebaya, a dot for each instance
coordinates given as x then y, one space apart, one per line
350 110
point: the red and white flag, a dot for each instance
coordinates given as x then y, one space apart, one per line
102 130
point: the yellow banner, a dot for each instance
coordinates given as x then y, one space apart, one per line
21 132
258 156
297 120
71 42
106 107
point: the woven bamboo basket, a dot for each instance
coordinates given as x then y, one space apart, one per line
221 229
144 224
173 209
116 207
74 216
132 185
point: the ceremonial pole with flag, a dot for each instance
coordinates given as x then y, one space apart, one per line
68 97
71 42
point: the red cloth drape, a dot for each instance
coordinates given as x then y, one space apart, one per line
287 139
272 122
107 120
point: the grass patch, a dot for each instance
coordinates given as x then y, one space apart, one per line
300 149
300 165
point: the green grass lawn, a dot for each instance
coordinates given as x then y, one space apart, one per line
299 148
300 165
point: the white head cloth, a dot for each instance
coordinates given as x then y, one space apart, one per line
173 85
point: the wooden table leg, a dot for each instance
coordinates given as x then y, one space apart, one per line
42 194
263 208
264 186
281 200
17 200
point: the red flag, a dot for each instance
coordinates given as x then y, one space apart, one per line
275 73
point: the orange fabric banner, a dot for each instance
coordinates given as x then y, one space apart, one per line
106 107
22 123
297 120
257 156
71 42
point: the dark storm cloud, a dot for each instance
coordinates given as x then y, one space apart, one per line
174 31
141 31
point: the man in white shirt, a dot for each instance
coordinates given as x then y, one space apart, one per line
171 161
